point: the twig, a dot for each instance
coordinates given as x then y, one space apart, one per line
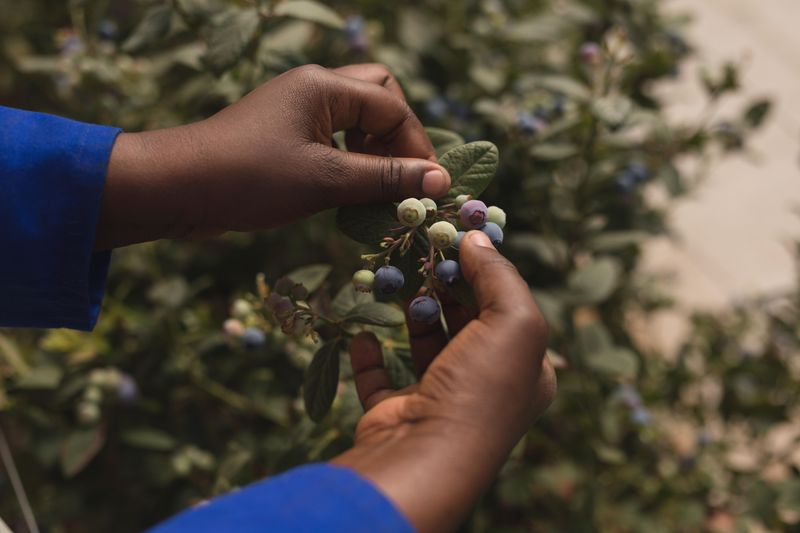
16 482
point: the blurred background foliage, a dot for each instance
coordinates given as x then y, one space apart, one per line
159 408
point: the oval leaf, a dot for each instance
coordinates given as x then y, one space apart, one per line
443 140
311 276
471 167
376 314
79 448
229 38
595 282
616 362
347 298
321 380
154 25
311 11
367 224
148 439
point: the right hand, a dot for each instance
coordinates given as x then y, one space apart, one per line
434 447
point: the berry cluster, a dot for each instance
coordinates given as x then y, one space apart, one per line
102 385
424 219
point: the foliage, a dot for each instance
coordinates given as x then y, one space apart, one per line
583 144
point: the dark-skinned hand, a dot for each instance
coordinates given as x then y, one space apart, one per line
268 159
433 448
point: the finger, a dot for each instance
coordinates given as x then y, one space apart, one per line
373 73
376 111
426 341
456 315
372 381
500 291
362 178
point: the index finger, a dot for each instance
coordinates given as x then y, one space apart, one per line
375 110
373 73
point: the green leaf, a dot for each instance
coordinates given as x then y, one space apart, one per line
321 380
311 276
443 140
376 314
311 11
558 84
554 151
757 112
148 439
367 224
471 167
550 251
79 448
230 36
615 362
614 240
347 298
671 178
592 338
613 110
41 377
596 282
154 26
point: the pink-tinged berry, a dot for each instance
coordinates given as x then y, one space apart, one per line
233 327
473 214
591 54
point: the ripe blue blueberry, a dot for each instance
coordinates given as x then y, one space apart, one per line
496 215
530 124
363 280
389 279
411 212
448 272
442 234
494 233
127 389
253 338
459 236
473 214
424 309
641 416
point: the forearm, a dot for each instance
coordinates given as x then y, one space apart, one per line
154 189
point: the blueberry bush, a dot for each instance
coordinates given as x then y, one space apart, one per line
218 363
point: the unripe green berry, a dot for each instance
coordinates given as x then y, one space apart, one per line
88 413
430 206
442 234
496 215
411 212
363 280
92 394
461 199
241 309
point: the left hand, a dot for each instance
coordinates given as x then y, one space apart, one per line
268 159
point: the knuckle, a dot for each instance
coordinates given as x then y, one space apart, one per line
391 178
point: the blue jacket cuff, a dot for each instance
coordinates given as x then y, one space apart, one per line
52 173
313 498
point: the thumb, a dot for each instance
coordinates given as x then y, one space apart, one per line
363 178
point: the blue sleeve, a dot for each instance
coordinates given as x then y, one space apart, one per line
52 173
309 499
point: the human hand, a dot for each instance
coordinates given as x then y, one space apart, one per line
434 447
268 159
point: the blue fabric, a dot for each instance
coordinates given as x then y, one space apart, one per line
52 173
310 499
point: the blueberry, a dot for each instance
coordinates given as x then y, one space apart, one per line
411 212
641 416
389 279
127 389
629 396
448 272
437 107
241 309
461 199
473 214
591 53
363 280
530 124
108 30
632 175
442 234
354 26
459 236
496 215
424 309
253 338
430 206
494 233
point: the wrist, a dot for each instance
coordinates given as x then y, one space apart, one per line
151 191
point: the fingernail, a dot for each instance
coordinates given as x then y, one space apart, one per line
479 238
435 183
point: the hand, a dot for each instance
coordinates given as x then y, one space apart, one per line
268 159
434 447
